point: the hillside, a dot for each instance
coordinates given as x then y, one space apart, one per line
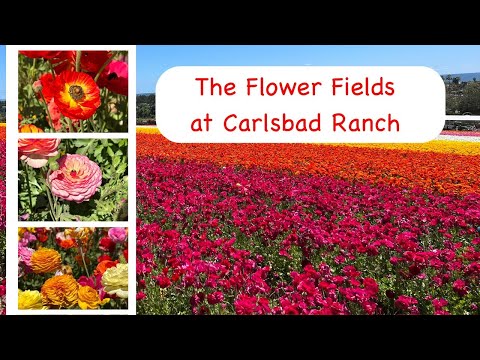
465 77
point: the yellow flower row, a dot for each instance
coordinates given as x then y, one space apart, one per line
148 130
441 146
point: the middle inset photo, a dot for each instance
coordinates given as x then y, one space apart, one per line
72 179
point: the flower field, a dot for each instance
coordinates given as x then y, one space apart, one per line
307 229
2 220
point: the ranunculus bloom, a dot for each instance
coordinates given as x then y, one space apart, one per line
91 61
77 178
115 77
65 242
76 95
104 265
40 54
88 298
35 152
106 244
30 128
115 281
42 234
60 292
29 300
25 255
45 260
46 82
104 257
117 234
24 259
81 234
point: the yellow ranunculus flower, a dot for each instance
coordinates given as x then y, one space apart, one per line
115 280
60 291
29 300
88 298
46 260
80 233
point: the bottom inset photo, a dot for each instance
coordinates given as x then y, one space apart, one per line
82 268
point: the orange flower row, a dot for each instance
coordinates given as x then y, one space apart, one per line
443 172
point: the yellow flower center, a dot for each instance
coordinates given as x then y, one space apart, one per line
76 92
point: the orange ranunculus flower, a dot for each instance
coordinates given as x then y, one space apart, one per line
30 128
35 152
88 298
76 95
80 234
46 260
60 292
104 265
65 241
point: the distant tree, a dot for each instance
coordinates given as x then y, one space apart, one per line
470 101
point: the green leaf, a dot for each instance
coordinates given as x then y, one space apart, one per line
82 142
98 151
82 151
116 161
110 152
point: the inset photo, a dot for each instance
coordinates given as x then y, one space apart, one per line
73 91
73 268
72 179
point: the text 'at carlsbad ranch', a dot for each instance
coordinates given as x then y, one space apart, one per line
314 122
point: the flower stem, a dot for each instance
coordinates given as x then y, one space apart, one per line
52 204
27 178
50 121
83 260
70 125
78 61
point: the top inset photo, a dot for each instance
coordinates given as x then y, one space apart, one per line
73 91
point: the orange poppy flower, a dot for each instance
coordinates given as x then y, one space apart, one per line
76 95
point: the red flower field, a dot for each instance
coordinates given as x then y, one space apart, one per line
307 229
2 220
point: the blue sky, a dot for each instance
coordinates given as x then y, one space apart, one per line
153 60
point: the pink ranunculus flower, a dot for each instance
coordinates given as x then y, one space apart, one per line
35 152
25 255
117 234
24 259
77 178
115 77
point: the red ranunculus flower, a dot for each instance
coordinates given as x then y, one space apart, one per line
40 54
76 95
115 77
